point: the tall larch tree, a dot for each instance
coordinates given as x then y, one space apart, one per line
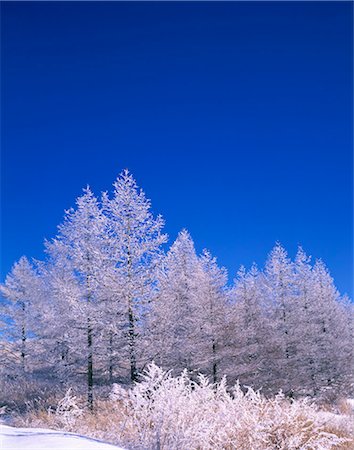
331 331
21 312
304 332
250 339
213 310
63 336
135 241
176 327
80 247
278 291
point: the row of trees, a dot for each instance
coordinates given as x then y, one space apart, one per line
108 300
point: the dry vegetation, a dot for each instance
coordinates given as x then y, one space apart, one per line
170 413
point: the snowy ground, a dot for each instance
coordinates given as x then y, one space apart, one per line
41 439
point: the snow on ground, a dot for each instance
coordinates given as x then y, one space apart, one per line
41 439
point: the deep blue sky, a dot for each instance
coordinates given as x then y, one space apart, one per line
235 118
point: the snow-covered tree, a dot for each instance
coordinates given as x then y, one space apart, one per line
278 293
346 337
135 247
250 343
62 336
20 312
80 248
331 330
213 310
176 323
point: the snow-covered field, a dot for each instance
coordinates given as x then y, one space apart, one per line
42 439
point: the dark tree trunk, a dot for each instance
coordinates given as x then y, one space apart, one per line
214 363
23 339
89 366
133 371
110 357
23 348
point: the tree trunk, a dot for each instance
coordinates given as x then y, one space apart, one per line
23 340
131 318
89 366
23 348
214 363
133 371
110 357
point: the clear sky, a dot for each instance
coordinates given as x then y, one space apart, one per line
235 118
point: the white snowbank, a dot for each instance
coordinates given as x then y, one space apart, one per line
42 439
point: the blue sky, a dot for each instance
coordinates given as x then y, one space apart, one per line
235 118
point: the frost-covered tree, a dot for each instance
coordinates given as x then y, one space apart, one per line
176 323
135 247
304 331
278 294
346 336
80 249
213 310
20 312
62 333
331 328
250 343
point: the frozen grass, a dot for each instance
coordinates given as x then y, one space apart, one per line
170 413
21 395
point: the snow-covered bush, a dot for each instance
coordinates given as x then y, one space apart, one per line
118 393
68 411
166 412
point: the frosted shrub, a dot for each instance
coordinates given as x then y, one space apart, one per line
118 393
68 411
170 413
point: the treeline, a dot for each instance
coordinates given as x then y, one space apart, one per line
107 300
